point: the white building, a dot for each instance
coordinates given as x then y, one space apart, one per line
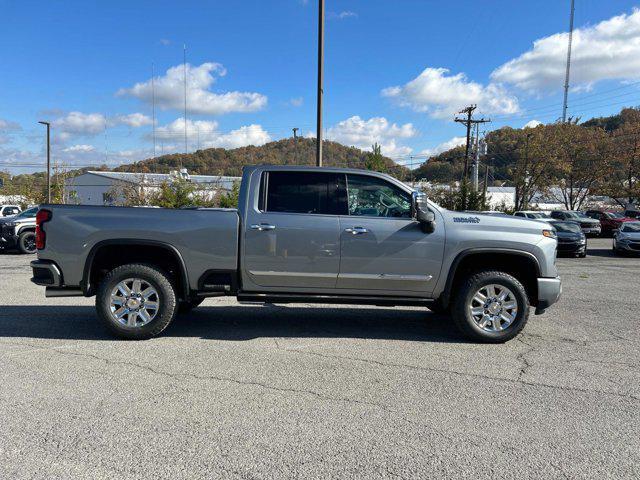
107 188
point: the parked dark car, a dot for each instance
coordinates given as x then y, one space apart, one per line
609 221
627 239
19 231
590 226
571 240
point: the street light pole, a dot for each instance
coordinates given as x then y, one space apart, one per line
320 80
48 160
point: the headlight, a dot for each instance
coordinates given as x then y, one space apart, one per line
549 233
11 224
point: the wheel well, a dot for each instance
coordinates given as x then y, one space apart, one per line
26 229
107 257
522 267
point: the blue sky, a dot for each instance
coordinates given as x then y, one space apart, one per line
395 72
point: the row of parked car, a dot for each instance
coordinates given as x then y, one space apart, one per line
573 227
18 228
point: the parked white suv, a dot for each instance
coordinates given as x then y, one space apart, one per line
9 210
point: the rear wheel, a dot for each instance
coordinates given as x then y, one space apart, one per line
27 242
136 301
491 307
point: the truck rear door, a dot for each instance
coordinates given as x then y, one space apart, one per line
292 239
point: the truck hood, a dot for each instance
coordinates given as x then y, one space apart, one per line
500 222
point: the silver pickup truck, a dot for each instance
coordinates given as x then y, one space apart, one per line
301 234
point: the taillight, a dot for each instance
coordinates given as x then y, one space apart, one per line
43 216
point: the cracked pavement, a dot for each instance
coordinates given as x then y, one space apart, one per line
307 391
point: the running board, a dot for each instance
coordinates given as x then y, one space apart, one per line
62 292
334 299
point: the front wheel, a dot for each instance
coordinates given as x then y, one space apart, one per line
27 242
491 307
136 301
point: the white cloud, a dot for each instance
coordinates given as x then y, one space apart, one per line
9 126
79 123
442 95
209 136
169 92
343 15
165 41
444 146
608 50
134 120
361 133
296 102
532 124
79 149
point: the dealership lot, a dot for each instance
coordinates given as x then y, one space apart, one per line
314 392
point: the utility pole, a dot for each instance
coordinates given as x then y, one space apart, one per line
566 77
153 107
184 65
48 125
295 144
486 183
476 159
320 81
468 122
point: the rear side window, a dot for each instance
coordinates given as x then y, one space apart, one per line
305 192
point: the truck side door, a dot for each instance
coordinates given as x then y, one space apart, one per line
293 238
382 247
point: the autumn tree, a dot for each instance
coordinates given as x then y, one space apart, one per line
622 182
375 160
581 162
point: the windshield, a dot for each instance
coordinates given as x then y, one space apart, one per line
632 227
614 215
538 215
31 213
567 227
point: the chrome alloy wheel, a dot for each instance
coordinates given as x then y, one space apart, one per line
493 308
134 302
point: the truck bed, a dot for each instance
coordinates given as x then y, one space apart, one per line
203 237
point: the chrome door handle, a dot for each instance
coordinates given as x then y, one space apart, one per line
262 227
356 230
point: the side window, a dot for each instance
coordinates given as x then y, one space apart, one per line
374 197
519 214
305 192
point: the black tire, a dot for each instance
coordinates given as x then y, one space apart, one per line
27 242
166 297
186 307
464 320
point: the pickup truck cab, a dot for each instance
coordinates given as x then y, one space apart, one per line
301 234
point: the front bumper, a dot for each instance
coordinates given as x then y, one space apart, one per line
630 247
549 292
596 230
8 237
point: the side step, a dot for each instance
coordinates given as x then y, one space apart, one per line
62 292
334 299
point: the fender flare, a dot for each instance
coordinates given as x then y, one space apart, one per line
85 283
446 294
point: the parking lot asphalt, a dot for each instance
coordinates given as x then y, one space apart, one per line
237 391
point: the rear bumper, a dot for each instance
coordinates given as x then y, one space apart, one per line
549 292
46 273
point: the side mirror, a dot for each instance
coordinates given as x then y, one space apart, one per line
421 213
